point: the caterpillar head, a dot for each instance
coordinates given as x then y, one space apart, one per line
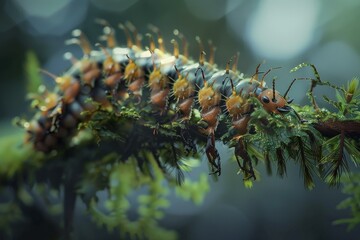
271 99
273 102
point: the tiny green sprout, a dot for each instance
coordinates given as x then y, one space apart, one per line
248 183
352 89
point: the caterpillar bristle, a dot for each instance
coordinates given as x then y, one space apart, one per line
127 34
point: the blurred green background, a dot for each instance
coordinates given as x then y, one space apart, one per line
282 32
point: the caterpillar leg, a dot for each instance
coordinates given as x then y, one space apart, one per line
188 141
246 167
213 155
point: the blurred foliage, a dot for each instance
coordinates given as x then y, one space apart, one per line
123 179
10 214
16 155
351 187
32 67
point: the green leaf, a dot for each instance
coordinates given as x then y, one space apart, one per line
339 97
32 67
353 151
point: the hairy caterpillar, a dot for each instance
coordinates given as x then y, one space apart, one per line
171 87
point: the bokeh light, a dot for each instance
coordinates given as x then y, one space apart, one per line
211 10
114 5
47 17
279 29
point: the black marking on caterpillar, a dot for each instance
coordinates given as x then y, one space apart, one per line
173 85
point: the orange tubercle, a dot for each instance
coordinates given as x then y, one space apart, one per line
208 97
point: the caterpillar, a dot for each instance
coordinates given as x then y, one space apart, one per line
173 88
